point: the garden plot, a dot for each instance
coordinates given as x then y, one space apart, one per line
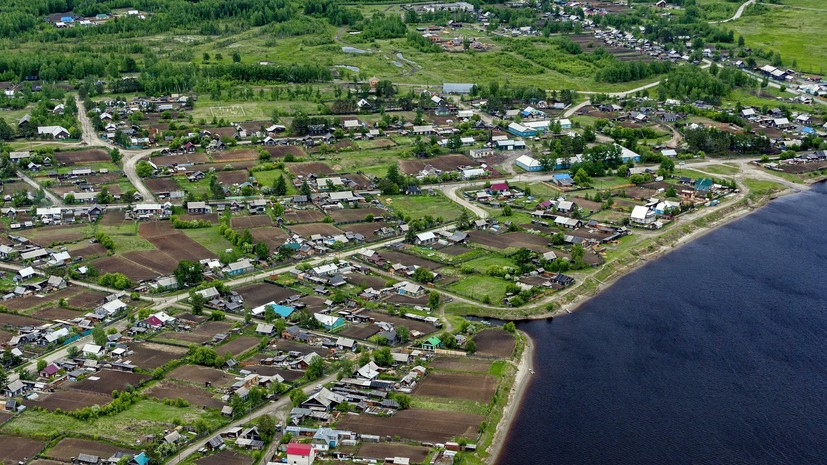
467 386
495 342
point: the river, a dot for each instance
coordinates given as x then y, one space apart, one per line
713 354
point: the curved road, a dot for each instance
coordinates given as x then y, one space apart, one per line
738 13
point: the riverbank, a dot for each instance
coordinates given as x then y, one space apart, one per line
515 400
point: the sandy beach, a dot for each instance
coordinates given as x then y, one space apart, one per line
515 398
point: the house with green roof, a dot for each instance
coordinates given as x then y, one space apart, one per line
432 343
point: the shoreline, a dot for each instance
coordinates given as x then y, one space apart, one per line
515 400
522 376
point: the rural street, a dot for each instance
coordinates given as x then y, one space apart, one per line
737 14
52 197
272 408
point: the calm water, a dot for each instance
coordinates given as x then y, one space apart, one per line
714 354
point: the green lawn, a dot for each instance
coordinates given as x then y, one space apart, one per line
721 169
145 417
240 110
761 187
417 206
268 178
209 238
478 287
482 264
798 34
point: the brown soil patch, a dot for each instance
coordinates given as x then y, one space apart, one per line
363 331
201 375
132 270
310 229
181 159
149 355
272 237
57 313
443 163
82 156
349 215
226 457
306 169
474 365
475 387
197 397
235 155
303 216
251 221
72 400
416 425
14 449
55 234
392 256
228 178
200 334
238 346
161 185
495 342
375 451
261 293
420 326
109 381
71 447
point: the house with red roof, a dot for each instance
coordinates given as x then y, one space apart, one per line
153 322
300 454
500 188
49 371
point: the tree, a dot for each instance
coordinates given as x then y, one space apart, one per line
383 357
280 186
581 177
262 251
116 156
667 167
403 333
99 336
4 378
423 275
433 300
144 169
471 346
510 327
266 427
403 400
73 351
188 273
297 397
315 369
41 364
671 192
236 57
197 301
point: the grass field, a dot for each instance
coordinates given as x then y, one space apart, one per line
722 169
209 238
797 33
145 417
421 205
478 287
483 263
760 187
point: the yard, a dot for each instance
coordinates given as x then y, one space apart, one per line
418 206
481 288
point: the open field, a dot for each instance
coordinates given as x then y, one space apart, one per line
306 169
15 449
474 387
226 457
199 335
442 163
303 216
131 269
393 256
261 293
238 345
349 215
71 447
58 234
145 417
418 206
251 221
30 301
363 331
82 156
72 400
310 229
795 33
376 451
200 375
108 381
196 397
495 342
479 287
472 365
149 355
416 425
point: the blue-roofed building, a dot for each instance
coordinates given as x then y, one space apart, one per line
280 310
521 131
456 88
67 19
563 180
140 459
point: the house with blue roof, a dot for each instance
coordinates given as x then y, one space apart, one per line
140 459
281 310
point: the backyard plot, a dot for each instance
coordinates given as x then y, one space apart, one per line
132 270
283 150
10 319
69 401
235 155
366 229
274 238
306 169
420 326
366 281
408 260
226 457
200 375
56 234
161 185
311 229
82 156
196 397
16 449
514 239
495 342
150 356
229 178
238 345
473 365
85 298
416 454
416 425
363 331
87 250
270 370
303 216
352 215
228 111
181 159
200 334
442 163
261 293
251 221
30 301
474 387
174 243
108 381
304 349
72 447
